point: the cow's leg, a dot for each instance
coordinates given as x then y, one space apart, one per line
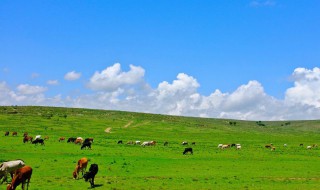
11 174
5 178
92 182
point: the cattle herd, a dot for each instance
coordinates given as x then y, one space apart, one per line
21 173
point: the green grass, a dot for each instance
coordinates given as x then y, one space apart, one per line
134 167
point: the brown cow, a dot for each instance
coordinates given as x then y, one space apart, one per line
6 133
81 165
79 140
46 138
25 134
61 139
22 175
14 133
27 138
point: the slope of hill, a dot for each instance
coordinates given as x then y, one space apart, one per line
125 166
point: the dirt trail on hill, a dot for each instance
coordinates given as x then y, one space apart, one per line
128 124
108 130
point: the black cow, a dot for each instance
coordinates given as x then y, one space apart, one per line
86 144
41 141
88 140
120 142
93 170
71 139
165 143
186 150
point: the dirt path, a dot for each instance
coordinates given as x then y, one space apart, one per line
128 124
108 130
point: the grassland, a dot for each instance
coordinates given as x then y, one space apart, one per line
161 167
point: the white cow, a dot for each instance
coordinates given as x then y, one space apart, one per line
138 142
220 145
146 143
309 147
10 167
225 146
238 147
37 137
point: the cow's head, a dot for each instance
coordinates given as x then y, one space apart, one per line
75 175
9 187
86 176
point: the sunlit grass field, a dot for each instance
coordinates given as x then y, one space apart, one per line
123 166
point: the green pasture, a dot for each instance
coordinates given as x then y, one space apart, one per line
123 166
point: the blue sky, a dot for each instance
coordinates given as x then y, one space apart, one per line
177 54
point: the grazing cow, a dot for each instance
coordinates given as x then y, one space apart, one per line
149 143
220 145
138 142
22 175
225 146
86 144
46 138
273 148
37 137
6 133
10 167
88 140
165 143
309 147
61 139
120 142
193 143
14 133
238 147
81 166
27 138
78 140
186 150
315 146
301 144
233 145
25 134
268 146
89 176
36 141
285 145
71 139
130 142
184 143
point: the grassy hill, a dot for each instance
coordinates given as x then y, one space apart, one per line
123 166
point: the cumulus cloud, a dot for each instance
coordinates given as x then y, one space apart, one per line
113 78
28 89
52 82
72 76
114 89
306 87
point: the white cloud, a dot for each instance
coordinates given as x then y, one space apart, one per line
52 82
113 78
119 90
27 89
306 87
72 76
